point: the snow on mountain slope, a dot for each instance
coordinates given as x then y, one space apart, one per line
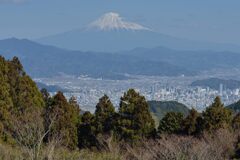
113 21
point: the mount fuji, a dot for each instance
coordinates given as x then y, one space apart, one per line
112 33
113 21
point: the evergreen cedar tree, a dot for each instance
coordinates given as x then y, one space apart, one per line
87 131
171 123
19 96
66 118
135 120
190 123
104 115
23 89
216 116
6 103
102 122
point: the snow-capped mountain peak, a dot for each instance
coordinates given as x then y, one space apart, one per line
113 21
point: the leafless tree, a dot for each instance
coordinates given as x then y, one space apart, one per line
30 132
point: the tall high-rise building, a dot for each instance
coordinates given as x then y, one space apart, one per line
153 92
221 89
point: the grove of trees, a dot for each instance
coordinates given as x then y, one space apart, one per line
32 118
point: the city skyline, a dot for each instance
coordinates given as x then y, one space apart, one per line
88 90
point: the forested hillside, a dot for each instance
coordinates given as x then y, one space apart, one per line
161 108
37 126
18 95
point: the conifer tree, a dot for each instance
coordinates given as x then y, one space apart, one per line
216 116
86 131
135 118
66 119
28 94
23 89
171 123
46 96
76 109
190 123
18 92
104 115
14 73
5 98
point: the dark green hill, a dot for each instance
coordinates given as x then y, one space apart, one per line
235 107
160 108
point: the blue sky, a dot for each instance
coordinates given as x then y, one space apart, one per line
206 20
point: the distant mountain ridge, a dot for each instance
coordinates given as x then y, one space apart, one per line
214 83
197 60
44 61
111 33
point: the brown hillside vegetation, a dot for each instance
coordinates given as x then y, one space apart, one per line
220 145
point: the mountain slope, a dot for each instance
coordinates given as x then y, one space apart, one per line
112 33
196 60
113 21
235 107
160 108
42 60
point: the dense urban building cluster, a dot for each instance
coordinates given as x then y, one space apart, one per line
88 90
